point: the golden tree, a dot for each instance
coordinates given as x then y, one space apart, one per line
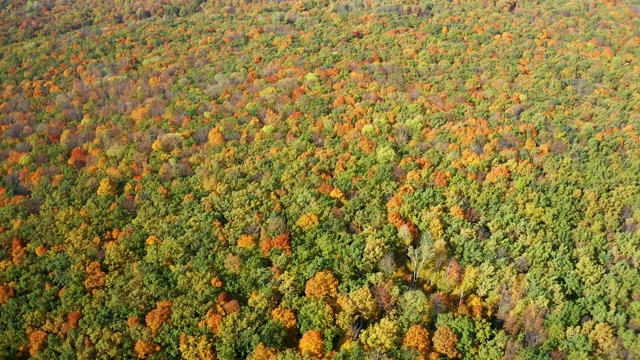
261 352
312 344
246 241
144 350
197 347
107 187
286 316
322 284
382 336
95 277
307 221
417 337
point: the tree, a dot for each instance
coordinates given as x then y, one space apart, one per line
312 344
36 341
286 316
78 158
6 292
246 241
95 277
145 349
444 342
261 352
322 284
417 337
107 187
307 221
158 316
196 347
364 302
382 336
420 255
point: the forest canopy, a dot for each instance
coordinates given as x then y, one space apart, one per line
310 179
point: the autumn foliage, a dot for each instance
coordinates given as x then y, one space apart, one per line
312 344
444 342
417 337
158 316
322 284
342 179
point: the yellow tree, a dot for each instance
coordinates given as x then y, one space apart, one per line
107 187
382 336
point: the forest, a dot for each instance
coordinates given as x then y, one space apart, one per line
316 179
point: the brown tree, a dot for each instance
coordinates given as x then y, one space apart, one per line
445 341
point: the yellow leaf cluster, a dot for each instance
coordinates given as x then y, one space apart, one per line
308 221
107 187
246 241
196 347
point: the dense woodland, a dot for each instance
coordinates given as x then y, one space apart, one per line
368 179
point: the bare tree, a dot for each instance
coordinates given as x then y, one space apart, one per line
387 264
420 255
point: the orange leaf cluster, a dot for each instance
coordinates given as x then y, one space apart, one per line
325 189
394 218
417 337
286 316
440 179
497 173
158 316
95 277
17 251
78 158
261 352
6 293
322 284
246 241
144 350
312 344
73 319
36 341
140 113
215 136
213 321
